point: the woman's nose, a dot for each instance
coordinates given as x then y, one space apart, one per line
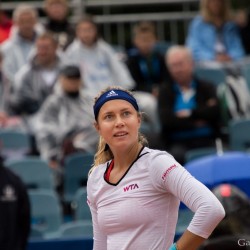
119 121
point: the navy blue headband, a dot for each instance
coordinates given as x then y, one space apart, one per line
112 95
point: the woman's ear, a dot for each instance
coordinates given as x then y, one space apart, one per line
96 126
139 118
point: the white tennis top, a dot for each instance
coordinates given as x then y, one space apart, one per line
141 210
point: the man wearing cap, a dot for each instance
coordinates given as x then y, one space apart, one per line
65 114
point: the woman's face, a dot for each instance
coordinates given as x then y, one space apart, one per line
57 11
145 42
215 7
118 123
87 33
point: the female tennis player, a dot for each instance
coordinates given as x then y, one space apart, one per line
134 192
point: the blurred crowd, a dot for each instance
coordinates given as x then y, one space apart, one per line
50 71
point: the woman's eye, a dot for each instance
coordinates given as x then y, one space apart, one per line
126 113
108 117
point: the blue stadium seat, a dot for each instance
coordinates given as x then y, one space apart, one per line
213 75
239 134
34 172
162 47
197 153
246 73
46 212
76 169
185 216
14 144
77 229
79 205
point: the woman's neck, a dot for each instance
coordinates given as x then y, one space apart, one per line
218 21
124 159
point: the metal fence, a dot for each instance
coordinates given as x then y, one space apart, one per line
117 17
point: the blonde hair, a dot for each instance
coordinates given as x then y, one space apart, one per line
225 15
104 153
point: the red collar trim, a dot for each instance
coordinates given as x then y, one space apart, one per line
110 167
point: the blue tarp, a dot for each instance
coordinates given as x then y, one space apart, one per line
231 167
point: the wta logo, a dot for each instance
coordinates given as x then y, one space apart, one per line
130 187
164 176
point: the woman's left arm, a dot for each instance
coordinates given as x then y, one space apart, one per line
197 197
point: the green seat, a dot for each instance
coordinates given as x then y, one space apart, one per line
77 229
239 135
79 205
34 172
46 212
76 169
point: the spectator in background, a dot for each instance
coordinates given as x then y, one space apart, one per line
242 19
146 66
148 69
188 107
57 22
2 87
99 64
14 211
6 121
213 36
65 117
35 81
5 26
3 115
17 49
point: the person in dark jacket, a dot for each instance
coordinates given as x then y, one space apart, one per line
145 64
14 211
188 107
57 22
242 19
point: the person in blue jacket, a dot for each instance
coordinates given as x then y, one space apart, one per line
212 36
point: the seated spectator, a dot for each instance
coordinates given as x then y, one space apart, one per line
6 121
148 69
17 49
188 107
101 67
57 22
14 211
146 66
35 81
60 123
5 26
2 87
99 64
212 36
242 19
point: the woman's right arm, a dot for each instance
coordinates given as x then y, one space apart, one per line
100 239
